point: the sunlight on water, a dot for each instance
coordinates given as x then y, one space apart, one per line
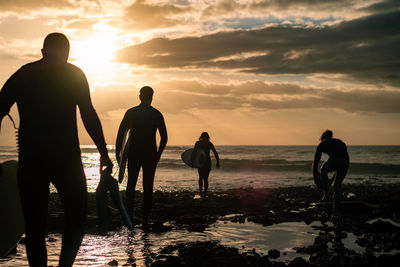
249 167
138 246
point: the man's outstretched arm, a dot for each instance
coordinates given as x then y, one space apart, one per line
94 129
92 122
317 158
216 155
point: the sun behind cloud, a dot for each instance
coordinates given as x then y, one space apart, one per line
94 54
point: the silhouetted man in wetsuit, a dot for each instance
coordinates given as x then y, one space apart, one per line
47 93
337 162
143 120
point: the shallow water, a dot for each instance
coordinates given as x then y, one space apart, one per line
251 166
138 246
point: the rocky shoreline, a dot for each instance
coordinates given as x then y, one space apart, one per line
369 212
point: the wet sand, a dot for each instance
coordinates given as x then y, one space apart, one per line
364 206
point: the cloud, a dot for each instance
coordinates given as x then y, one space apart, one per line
7 56
364 48
25 6
285 8
143 15
180 96
383 6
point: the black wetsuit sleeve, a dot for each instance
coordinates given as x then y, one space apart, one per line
163 134
9 94
317 158
89 115
215 153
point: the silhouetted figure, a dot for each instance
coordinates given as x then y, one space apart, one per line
47 93
337 162
205 144
143 120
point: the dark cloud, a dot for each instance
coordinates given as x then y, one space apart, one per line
182 96
365 48
225 7
142 15
384 6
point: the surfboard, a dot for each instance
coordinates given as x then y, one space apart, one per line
198 160
109 184
123 154
12 220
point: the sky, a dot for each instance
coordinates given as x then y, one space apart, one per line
258 72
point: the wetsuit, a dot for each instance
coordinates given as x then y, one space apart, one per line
47 94
337 162
143 120
204 171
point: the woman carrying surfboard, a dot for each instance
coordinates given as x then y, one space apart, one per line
204 171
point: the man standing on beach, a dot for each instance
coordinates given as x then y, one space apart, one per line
337 162
47 93
143 120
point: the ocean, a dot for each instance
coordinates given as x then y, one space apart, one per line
241 167
250 166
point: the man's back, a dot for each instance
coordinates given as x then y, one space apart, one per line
47 95
333 147
144 120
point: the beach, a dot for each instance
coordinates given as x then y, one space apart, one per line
243 227
262 209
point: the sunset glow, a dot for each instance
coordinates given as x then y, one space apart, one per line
248 72
94 54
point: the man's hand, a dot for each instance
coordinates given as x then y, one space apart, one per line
106 164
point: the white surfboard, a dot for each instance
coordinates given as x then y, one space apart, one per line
123 154
198 160
12 219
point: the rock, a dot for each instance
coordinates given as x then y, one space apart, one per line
173 261
273 254
113 263
387 260
298 262
264 262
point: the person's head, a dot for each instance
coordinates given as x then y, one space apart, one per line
56 47
204 136
326 134
146 94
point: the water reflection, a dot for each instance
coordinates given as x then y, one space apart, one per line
141 248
